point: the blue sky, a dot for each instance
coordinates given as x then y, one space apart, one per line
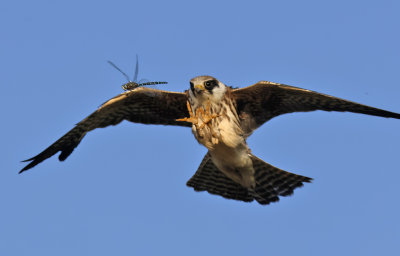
122 191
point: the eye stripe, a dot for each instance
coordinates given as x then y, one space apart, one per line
210 84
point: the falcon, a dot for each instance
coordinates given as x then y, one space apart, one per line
221 119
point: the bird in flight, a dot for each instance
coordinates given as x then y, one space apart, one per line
221 119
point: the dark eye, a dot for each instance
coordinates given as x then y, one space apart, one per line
191 86
208 85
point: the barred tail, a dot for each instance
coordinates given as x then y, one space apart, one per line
271 182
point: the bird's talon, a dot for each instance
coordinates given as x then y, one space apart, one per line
182 119
193 118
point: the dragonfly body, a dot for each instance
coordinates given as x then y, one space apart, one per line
130 85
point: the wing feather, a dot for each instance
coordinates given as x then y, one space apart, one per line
264 100
142 105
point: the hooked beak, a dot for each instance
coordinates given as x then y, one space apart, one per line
199 88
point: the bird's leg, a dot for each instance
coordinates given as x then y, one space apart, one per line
207 116
194 119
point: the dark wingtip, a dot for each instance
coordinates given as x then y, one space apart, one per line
25 168
308 180
65 153
27 160
29 166
389 114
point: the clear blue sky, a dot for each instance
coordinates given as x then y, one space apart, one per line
122 191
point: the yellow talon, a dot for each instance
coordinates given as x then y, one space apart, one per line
191 119
189 108
206 116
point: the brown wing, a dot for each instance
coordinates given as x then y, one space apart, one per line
142 105
264 100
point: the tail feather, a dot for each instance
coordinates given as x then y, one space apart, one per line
209 178
271 182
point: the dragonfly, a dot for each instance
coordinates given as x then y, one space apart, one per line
133 84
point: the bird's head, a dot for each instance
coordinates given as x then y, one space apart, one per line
204 89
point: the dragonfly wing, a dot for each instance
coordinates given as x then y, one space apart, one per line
136 69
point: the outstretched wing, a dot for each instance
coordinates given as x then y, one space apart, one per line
142 105
264 100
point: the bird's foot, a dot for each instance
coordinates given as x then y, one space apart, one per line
193 118
207 116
